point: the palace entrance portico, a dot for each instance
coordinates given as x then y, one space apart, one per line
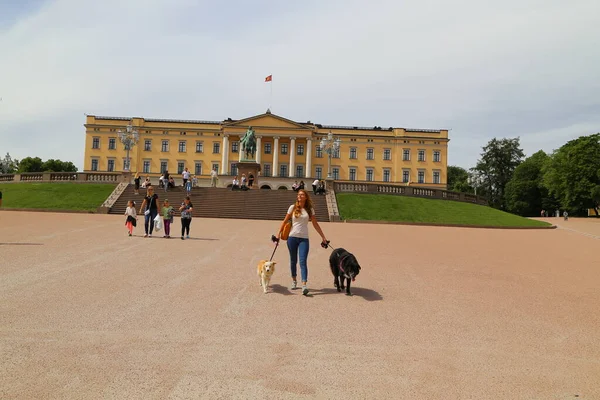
279 141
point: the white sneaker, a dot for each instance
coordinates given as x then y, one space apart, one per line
304 290
294 285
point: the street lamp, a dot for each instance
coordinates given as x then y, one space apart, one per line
129 138
475 180
329 145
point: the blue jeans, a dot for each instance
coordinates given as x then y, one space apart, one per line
298 245
149 219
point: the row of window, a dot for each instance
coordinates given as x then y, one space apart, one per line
369 174
370 153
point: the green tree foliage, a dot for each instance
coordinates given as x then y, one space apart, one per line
35 164
31 164
496 166
458 179
572 176
525 194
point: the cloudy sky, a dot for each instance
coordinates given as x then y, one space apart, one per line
527 68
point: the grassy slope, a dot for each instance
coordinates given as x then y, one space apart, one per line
56 196
413 209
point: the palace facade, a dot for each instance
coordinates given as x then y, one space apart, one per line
285 149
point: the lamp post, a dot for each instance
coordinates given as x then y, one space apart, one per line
329 145
129 138
474 180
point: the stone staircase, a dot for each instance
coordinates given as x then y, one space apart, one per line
224 203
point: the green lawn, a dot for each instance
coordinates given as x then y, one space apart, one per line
55 196
381 207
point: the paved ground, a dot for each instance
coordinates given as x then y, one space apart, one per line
438 313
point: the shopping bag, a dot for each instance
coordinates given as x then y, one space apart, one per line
157 223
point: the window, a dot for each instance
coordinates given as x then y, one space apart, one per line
94 164
146 167
267 168
180 167
369 174
198 168
182 146
234 170
436 176
421 155
283 170
216 148
405 176
147 145
163 167
164 146
319 172
300 149
352 153
421 177
370 153
125 164
335 172
336 153
386 175
112 143
199 147
387 154
406 155
284 148
267 148
235 146
111 166
352 174
299 171
96 143
319 152
437 157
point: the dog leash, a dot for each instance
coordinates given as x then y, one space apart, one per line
274 239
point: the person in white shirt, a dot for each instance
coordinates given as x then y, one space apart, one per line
186 176
300 214
235 184
315 184
213 178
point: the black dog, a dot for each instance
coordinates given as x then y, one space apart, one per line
343 264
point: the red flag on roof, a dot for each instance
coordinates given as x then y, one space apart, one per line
269 78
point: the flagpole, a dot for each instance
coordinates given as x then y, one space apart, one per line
271 99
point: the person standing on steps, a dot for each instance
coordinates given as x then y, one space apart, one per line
301 213
136 182
150 209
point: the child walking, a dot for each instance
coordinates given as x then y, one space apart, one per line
131 220
167 214
188 187
186 216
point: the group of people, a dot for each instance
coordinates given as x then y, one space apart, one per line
545 213
167 181
243 183
151 209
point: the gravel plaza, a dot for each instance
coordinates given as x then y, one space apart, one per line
87 312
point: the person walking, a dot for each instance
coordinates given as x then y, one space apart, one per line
167 214
136 182
186 209
301 213
150 209
131 220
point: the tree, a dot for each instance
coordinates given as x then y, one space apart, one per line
458 180
31 164
496 166
571 174
8 165
524 193
58 166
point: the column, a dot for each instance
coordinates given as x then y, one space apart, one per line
308 158
258 148
276 156
225 156
292 171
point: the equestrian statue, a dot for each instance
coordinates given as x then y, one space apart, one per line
248 143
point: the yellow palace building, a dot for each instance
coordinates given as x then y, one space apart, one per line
286 149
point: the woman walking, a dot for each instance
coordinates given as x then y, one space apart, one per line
186 216
150 209
300 214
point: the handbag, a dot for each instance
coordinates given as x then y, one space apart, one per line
285 233
148 206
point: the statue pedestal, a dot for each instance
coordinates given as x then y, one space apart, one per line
249 168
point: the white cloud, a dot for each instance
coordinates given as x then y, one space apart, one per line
519 68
